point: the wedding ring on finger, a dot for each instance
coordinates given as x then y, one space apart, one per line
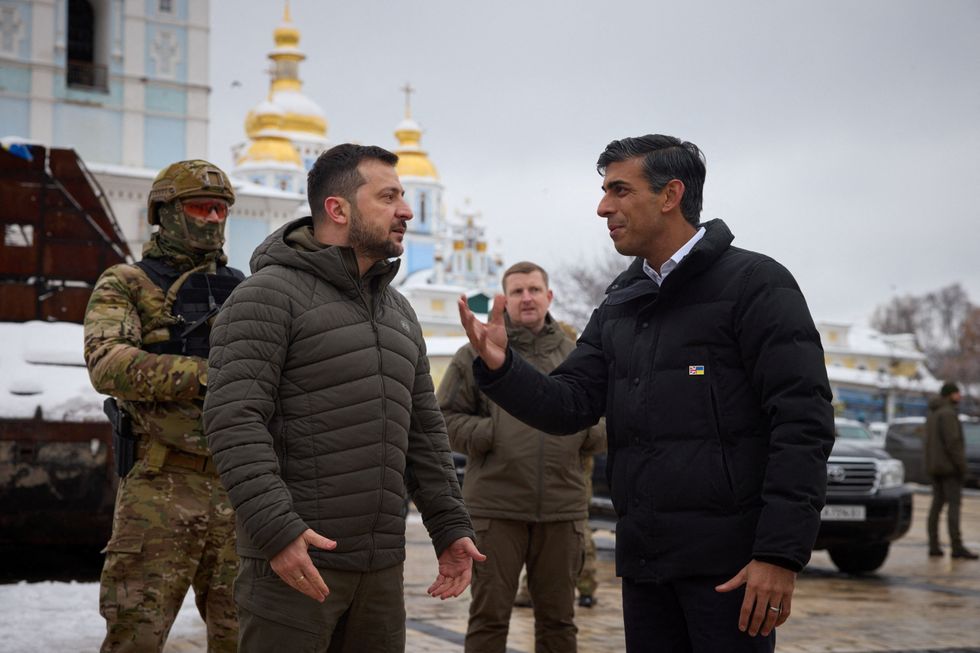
300 578
775 609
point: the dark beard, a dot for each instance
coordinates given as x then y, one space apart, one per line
369 244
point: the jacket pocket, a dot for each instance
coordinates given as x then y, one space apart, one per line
716 417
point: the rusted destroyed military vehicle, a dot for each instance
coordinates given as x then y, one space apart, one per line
57 480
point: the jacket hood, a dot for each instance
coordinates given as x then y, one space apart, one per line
548 339
294 246
717 238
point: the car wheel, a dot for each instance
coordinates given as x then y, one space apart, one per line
859 559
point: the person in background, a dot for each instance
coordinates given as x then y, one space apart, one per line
946 464
526 490
146 345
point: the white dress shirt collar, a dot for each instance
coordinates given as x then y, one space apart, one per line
673 261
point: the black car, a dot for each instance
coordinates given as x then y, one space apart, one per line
905 439
868 504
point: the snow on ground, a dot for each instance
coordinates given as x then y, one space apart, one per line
41 366
65 617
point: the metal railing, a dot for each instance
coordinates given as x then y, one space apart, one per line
90 76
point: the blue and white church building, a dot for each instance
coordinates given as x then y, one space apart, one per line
126 85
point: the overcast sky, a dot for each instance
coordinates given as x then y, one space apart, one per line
842 137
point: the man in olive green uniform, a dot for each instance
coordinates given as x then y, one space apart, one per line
146 342
946 464
525 490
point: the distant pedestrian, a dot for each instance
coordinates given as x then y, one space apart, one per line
946 465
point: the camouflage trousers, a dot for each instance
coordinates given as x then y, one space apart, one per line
172 529
586 582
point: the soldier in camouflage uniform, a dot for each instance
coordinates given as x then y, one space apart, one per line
173 525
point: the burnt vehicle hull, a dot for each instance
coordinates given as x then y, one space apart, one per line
57 484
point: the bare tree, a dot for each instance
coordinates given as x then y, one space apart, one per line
580 285
902 315
940 320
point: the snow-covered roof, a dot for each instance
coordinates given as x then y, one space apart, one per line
121 171
863 340
244 187
43 368
268 107
926 382
295 102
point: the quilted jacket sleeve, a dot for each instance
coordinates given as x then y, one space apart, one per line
784 359
467 418
248 349
430 474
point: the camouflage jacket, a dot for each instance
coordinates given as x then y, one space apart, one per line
162 392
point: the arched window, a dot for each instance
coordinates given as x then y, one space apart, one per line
81 31
423 213
83 68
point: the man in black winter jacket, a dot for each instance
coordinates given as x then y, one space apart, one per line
706 363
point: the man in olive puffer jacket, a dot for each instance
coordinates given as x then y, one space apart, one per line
526 490
321 413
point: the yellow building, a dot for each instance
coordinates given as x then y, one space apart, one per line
875 376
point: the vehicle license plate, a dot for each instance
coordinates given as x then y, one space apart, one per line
843 513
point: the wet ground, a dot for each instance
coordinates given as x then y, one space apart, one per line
913 604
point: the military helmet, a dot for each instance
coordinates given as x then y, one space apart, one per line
195 178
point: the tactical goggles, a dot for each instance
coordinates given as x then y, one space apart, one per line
201 209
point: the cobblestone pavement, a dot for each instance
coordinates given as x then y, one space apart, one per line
913 604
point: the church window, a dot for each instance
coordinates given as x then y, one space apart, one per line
166 6
423 212
84 69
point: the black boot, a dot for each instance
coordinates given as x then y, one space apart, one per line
964 553
586 601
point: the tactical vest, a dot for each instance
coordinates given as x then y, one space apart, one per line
196 302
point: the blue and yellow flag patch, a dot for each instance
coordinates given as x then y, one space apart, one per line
695 370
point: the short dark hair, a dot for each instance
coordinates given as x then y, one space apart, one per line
664 158
523 267
949 388
335 173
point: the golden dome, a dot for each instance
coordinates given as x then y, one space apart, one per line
266 148
286 108
413 161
